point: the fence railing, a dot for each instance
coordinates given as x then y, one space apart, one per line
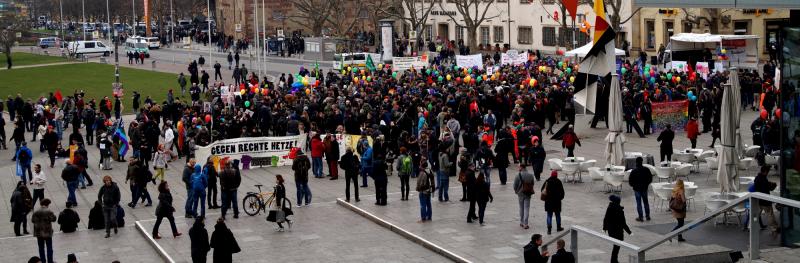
639 254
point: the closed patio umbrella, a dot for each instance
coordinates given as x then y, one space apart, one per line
727 175
615 139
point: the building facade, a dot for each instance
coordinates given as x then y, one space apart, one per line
654 26
533 25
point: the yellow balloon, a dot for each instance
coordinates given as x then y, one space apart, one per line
355 79
678 79
308 91
467 78
349 69
343 72
242 92
532 82
493 78
449 77
571 79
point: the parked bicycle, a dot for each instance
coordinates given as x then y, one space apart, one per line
255 202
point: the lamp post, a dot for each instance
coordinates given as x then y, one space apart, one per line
61 26
133 8
208 20
172 23
110 27
83 14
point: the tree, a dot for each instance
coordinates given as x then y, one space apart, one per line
613 8
565 28
342 19
472 16
312 14
11 25
413 12
713 18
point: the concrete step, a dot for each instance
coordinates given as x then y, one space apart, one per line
692 254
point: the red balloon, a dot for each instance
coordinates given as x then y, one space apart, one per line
763 114
208 117
458 80
778 113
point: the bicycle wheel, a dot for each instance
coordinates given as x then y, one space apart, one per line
251 204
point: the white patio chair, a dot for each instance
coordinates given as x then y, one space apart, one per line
664 173
555 164
663 194
596 175
771 160
683 171
684 157
627 176
653 170
584 167
701 158
745 164
713 166
691 192
751 151
570 170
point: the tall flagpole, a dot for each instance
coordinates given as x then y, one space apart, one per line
255 37
264 38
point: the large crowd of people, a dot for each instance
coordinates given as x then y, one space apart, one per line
432 124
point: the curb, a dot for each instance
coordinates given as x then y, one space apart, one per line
154 244
404 233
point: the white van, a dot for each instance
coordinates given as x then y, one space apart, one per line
152 42
89 47
344 60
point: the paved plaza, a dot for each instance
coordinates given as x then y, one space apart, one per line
329 232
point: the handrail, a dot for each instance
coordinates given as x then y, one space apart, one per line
640 252
593 234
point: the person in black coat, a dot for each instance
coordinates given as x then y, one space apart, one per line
763 185
482 196
614 224
640 180
68 219
552 202
471 192
350 165
537 156
531 251
381 181
164 209
96 220
666 138
562 255
223 242
199 237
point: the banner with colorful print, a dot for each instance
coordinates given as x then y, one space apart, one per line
675 113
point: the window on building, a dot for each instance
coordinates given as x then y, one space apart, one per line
650 28
565 36
669 30
525 35
484 35
741 27
583 38
549 36
459 33
548 2
525 2
498 34
428 32
687 27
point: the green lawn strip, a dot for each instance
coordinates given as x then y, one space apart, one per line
25 59
93 78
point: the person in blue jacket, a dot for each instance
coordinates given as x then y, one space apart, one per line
199 185
366 166
24 157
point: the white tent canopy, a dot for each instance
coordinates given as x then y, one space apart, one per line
741 49
582 51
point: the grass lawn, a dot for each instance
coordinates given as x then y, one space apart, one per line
93 78
22 59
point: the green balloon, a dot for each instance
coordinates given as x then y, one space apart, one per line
247 104
428 71
560 64
369 78
569 70
479 79
394 74
623 70
469 70
355 69
441 78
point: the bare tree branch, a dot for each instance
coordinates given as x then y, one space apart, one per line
471 17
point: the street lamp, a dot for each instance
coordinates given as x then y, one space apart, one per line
83 13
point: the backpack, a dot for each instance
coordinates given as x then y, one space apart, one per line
424 184
527 188
24 156
405 166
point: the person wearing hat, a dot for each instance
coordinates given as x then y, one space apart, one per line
552 192
614 223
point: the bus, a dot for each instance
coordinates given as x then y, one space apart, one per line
137 44
344 60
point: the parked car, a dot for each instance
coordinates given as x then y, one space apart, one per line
89 47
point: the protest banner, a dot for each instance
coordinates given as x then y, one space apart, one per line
702 69
405 63
470 61
254 151
675 113
679 66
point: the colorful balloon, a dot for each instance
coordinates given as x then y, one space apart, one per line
394 74
208 117
449 77
247 104
571 79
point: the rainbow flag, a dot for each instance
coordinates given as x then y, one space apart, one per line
123 138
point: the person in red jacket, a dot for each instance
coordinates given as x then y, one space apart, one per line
569 140
692 131
317 150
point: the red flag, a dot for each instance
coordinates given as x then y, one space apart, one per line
58 95
571 6
690 71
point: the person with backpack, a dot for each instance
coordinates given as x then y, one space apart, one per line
552 192
404 170
569 140
199 185
300 166
350 164
21 205
523 187
426 185
24 157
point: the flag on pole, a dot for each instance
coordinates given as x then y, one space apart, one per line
123 138
316 69
58 95
181 135
571 6
370 65
600 59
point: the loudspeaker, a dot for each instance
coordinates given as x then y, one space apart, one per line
794 18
